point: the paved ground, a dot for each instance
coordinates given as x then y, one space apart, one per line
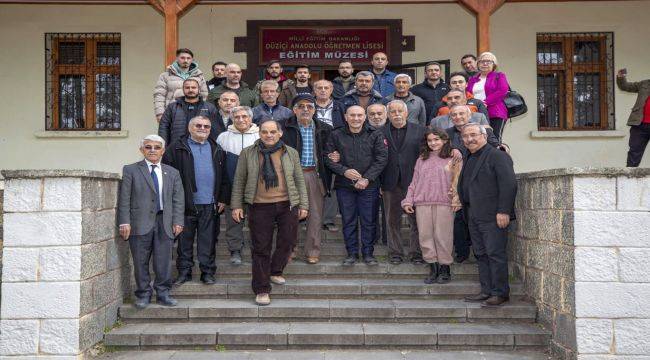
321 355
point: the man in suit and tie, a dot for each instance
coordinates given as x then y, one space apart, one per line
404 139
487 188
150 215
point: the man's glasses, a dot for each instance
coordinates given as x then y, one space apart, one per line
153 147
202 126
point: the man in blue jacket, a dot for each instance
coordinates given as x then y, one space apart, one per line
384 78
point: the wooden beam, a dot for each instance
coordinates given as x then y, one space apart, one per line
172 10
482 9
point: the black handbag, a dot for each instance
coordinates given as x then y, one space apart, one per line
515 104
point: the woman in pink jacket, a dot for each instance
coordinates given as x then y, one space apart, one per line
433 197
491 87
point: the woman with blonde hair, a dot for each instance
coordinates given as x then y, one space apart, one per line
491 87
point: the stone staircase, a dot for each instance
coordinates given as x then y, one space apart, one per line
328 306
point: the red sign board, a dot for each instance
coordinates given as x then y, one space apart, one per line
326 45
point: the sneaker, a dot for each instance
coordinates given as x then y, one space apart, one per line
330 227
370 260
350 260
396 259
278 280
208 279
417 259
262 299
235 257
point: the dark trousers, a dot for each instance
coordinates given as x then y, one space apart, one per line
497 125
462 239
639 137
358 205
380 233
489 245
261 221
204 224
158 244
393 203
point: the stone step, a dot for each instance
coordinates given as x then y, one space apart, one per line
353 288
300 269
223 310
325 235
323 355
327 335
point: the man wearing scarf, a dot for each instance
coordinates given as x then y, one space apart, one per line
270 182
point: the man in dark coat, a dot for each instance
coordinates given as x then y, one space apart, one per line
404 139
432 89
487 188
363 94
200 162
363 156
173 124
345 81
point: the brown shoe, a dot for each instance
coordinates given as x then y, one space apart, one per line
494 301
312 260
477 298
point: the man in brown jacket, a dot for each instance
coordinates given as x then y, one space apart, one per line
639 120
169 86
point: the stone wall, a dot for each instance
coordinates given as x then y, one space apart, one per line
65 272
581 247
541 254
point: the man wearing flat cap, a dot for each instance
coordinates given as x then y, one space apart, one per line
309 137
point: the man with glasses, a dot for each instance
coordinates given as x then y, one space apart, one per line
150 215
173 124
241 134
200 162
487 188
432 89
309 137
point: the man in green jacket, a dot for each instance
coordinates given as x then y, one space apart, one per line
247 97
639 120
269 181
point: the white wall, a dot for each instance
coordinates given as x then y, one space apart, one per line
612 276
22 71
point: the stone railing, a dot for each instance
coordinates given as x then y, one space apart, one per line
64 272
581 248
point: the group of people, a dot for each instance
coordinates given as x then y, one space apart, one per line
289 150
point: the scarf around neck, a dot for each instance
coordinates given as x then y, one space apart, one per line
269 176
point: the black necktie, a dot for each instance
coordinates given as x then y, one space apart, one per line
154 177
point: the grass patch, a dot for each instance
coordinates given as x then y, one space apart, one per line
220 348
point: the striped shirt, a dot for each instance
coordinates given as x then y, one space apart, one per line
307 152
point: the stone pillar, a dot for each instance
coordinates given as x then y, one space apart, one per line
64 270
582 249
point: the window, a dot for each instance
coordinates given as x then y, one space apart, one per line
83 81
575 87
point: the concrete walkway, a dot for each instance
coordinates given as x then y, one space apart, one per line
322 355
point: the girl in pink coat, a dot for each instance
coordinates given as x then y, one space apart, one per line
433 197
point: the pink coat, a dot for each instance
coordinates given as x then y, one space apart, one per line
496 89
434 183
